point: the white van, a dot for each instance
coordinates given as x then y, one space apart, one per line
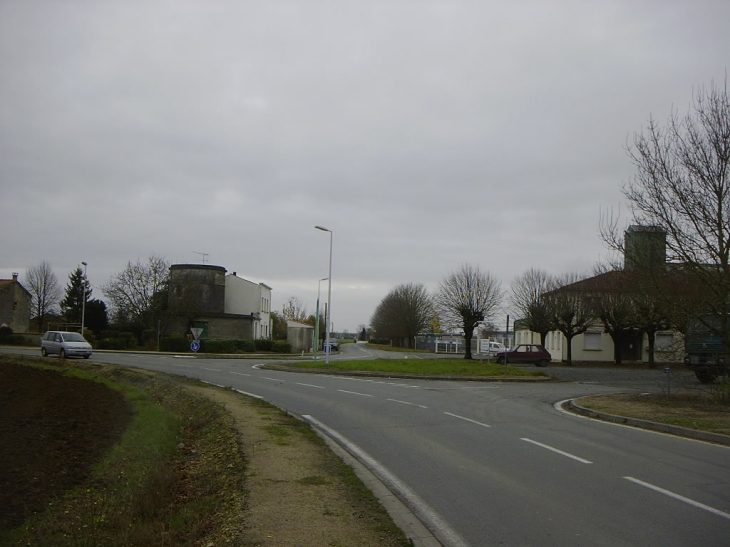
491 347
65 344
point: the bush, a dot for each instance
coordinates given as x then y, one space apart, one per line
245 346
280 346
110 343
13 340
129 339
264 345
177 344
218 346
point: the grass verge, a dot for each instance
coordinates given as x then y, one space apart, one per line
426 367
691 410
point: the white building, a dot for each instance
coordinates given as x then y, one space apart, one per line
244 297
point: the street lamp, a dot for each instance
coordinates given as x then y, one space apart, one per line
328 315
316 318
83 302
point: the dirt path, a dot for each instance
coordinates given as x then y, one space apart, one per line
299 493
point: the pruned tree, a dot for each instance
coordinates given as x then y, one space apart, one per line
653 313
682 186
403 313
44 290
77 288
571 313
138 292
466 298
528 298
615 306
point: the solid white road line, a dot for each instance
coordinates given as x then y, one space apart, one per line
446 535
310 385
694 503
354 393
406 403
248 394
466 419
566 454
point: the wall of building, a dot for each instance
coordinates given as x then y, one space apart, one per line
597 346
216 327
15 305
246 297
199 288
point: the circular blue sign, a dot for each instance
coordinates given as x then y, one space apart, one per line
195 346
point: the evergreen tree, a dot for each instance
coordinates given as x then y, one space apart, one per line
72 304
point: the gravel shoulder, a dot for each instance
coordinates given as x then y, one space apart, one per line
298 492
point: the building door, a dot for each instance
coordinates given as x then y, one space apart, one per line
631 347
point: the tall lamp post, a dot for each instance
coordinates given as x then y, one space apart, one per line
83 302
316 318
328 315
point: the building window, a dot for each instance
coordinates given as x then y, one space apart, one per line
592 341
663 341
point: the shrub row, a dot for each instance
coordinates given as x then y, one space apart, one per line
180 344
117 340
13 340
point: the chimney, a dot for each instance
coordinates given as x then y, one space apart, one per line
15 277
645 249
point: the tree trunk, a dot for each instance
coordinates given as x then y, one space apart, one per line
468 335
570 350
651 336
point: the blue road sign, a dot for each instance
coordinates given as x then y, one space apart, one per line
195 346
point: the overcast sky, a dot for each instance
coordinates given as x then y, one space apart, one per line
424 134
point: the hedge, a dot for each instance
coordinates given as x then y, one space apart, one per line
225 345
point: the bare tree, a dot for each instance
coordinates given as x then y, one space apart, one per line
653 313
44 290
467 297
682 186
528 298
295 310
139 292
614 304
403 313
571 314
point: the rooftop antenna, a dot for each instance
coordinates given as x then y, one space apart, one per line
203 256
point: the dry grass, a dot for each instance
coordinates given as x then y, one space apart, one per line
699 411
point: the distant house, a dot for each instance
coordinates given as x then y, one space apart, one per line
14 305
223 306
645 252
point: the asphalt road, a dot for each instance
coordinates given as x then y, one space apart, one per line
496 463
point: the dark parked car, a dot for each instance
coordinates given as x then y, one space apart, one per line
334 344
525 353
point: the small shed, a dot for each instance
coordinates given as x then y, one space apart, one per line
300 336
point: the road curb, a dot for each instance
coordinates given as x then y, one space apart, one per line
652 426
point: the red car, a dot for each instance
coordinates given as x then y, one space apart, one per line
525 353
